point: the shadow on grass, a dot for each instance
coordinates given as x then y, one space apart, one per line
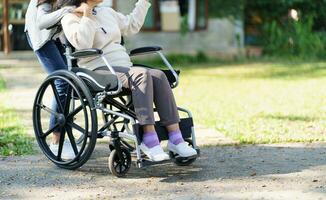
299 71
291 117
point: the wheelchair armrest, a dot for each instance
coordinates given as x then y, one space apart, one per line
145 50
86 53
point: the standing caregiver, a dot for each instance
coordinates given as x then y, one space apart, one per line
49 51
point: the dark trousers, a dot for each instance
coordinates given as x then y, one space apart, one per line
148 86
51 56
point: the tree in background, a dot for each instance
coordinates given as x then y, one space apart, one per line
287 27
232 9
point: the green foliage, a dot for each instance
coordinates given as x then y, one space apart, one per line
13 139
179 59
269 10
295 38
281 35
226 9
2 84
184 29
200 57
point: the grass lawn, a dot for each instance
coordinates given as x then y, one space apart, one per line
2 84
13 140
258 102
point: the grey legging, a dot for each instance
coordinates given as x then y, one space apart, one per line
148 86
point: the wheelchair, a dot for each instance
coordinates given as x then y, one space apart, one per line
88 96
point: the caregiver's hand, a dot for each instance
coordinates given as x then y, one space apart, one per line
84 9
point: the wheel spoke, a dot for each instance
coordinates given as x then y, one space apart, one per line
61 141
51 130
47 109
67 100
72 140
77 127
57 97
75 112
125 165
117 167
120 167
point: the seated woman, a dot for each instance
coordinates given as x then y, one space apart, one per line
101 27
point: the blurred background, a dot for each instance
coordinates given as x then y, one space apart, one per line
231 28
253 71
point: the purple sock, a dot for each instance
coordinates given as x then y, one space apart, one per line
150 139
175 137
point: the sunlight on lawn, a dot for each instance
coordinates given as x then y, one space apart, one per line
258 102
13 138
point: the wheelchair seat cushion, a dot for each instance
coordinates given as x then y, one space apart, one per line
95 81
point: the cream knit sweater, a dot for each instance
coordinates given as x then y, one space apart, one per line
103 30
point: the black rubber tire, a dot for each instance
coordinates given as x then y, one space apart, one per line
184 162
117 168
87 104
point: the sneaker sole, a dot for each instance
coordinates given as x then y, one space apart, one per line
176 152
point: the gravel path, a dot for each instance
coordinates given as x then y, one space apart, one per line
286 171
248 172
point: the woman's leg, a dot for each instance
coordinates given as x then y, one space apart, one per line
165 105
52 59
168 112
139 81
164 100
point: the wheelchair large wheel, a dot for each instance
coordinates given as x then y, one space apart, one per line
65 101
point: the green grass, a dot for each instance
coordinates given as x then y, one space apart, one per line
2 84
258 102
13 140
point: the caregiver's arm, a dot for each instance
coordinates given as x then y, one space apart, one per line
132 23
46 18
79 32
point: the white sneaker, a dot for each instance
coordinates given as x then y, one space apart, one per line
155 154
182 149
67 150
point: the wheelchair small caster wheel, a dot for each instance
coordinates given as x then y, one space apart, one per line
119 168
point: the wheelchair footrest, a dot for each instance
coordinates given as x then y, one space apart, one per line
182 159
147 163
186 125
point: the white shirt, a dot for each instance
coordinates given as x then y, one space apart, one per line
38 18
103 30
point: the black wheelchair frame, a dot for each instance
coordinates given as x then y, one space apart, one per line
115 104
